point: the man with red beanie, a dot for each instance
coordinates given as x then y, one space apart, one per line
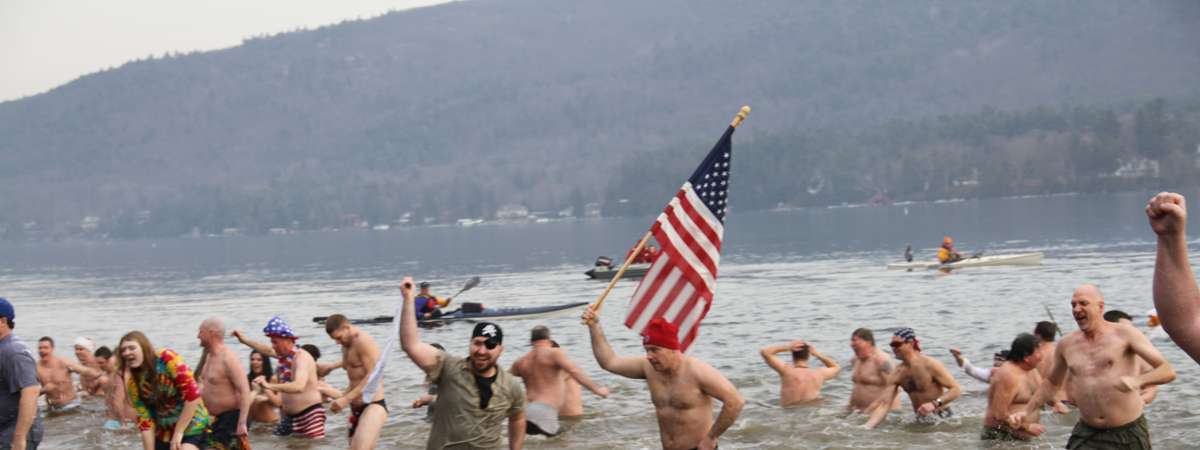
929 385
682 387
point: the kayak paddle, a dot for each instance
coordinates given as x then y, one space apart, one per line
474 281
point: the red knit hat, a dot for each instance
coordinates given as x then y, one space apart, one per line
661 333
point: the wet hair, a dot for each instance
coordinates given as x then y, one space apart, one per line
1116 315
539 333
554 343
1023 346
103 352
149 370
438 346
1001 355
312 350
47 339
267 372
800 355
864 334
334 322
1045 330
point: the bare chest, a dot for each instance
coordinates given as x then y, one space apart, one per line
681 392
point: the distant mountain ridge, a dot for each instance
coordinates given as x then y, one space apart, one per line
452 110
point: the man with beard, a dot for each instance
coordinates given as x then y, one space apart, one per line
1013 385
1102 359
682 387
929 385
55 376
223 386
871 368
359 355
474 395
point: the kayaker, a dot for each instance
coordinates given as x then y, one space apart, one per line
429 305
947 254
908 253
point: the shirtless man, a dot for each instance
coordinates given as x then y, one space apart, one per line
798 382
1045 332
870 370
929 385
1176 296
223 386
359 355
1102 360
1149 393
89 382
572 407
55 376
682 387
297 373
1013 386
119 410
542 369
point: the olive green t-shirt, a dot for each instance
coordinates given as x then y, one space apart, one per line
458 422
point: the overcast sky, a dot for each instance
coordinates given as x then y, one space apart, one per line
46 43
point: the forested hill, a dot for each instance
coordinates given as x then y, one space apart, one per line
453 110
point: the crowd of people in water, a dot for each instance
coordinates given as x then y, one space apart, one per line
1107 371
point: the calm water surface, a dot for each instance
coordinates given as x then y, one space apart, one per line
811 274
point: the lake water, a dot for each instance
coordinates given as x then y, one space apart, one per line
815 274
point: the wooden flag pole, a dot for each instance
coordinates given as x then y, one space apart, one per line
628 260
737 120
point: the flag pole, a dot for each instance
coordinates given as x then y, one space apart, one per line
737 120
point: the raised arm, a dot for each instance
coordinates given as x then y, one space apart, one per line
983 374
579 375
1176 295
1162 372
717 386
260 347
625 366
423 355
831 367
768 356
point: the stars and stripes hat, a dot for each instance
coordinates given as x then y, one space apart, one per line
908 335
276 327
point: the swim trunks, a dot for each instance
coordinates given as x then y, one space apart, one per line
199 440
283 427
997 434
541 418
310 422
356 412
1133 435
63 408
224 432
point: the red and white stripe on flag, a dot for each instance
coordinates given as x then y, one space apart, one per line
680 284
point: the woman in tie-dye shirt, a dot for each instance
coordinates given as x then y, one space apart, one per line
164 394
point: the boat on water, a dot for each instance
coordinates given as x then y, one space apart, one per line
1023 259
531 312
607 273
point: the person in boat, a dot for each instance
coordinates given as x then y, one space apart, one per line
908 255
983 374
542 370
475 395
929 385
428 305
1175 289
798 382
646 256
1105 383
682 388
947 254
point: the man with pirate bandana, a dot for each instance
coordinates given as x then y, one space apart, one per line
929 385
682 387
475 395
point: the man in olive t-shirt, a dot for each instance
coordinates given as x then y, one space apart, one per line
474 394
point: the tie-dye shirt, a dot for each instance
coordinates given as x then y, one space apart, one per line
159 402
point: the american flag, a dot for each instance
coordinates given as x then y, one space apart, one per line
680 284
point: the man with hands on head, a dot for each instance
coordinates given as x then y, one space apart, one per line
682 387
474 395
798 382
